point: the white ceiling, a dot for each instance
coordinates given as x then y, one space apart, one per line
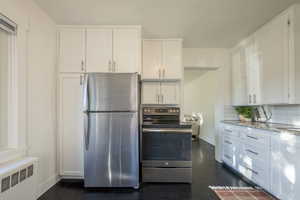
201 23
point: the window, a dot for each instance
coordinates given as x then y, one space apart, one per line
4 64
9 147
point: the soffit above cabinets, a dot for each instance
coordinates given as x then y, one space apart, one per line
201 23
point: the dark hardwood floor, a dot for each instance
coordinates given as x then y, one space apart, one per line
206 172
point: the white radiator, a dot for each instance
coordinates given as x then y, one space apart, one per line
18 179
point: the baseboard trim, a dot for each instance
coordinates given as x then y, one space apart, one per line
207 140
46 185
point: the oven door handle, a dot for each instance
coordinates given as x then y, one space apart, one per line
167 130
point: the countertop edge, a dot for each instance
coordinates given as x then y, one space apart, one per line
261 126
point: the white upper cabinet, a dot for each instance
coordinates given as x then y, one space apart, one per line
126 50
172 59
162 59
273 45
72 50
246 79
152 57
253 66
170 93
167 93
99 50
239 85
275 66
150 93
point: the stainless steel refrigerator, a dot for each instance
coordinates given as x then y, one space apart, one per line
111 126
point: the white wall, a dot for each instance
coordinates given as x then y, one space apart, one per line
200 88
207 91
36 84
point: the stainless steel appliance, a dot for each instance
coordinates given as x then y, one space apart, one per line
166 146
111 122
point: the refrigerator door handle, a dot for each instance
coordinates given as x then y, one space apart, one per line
86 130
85 94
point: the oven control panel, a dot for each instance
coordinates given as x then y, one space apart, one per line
161 111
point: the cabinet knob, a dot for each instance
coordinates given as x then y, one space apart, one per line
250 99
254 98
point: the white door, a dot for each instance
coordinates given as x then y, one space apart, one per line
273 43
170 93
99 50
126 50
239 88
72 50
172 59
152 59
71 125
150 92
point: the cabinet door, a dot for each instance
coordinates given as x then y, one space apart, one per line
239 88
99 50
126 50
290 167
172 59
152 59
72 50
275 167
170 93
150 92
71 125
253 72
273 42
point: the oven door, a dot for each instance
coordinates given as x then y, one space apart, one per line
164 147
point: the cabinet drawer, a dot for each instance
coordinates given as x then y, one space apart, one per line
254 164
227 139
229 160
255 151
255 137
258 177
230 156
231 131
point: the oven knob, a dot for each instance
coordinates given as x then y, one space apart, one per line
166 163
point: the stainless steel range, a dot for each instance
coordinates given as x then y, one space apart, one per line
166 146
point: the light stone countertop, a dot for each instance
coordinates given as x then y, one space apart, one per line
275 127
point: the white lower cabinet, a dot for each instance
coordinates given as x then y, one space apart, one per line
70 126
231 146
255 156
285 174
268 159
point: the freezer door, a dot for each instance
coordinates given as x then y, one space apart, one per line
113 92
111 150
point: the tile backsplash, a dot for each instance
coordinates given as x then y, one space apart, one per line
287 114
230 113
